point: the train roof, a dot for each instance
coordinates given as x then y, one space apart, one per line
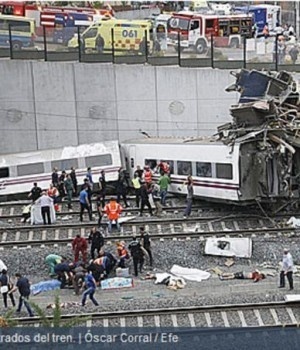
176 140
67 152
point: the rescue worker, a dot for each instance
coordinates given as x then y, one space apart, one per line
287 269
78 277
63 272
189 197
69 188
51 260
90 284
96 240
136 181
104 263
87 185
26 213
35 192
84 204
6 287
61 185
89 176
137 255
122 186
266 31
23 286
102 188
123 254
163 183
145 199
79 245
45 202
155 189
139 172
53 193
74 179
147 175
54 177
112 260
146 243
113 211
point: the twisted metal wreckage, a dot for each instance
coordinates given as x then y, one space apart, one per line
266 123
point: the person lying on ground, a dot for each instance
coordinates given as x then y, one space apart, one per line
255 276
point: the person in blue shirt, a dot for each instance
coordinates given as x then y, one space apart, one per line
85 204
90 284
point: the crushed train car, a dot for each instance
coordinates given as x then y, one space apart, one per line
266 124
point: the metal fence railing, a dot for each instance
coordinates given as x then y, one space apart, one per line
73 44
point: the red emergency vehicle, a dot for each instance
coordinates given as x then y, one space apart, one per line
45 15
196 30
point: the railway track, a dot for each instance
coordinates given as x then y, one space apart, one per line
266 314
159 229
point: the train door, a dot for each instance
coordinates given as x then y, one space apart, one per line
272 177
130 159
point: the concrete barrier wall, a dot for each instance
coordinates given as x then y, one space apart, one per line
53 104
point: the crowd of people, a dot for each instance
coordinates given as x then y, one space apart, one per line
148 193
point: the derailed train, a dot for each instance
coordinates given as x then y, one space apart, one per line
256 157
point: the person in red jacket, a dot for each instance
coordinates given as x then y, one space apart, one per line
113 210
80 245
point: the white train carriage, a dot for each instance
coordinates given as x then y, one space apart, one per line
213 165
19 171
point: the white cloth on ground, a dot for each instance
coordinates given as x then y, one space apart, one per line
2 266
294 222
190 274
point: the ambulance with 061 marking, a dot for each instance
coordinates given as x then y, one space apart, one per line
116 34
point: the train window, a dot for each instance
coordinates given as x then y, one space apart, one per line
64 164
203 169
184 168
102 160
152 163
4 172
29 169
224 171
169 164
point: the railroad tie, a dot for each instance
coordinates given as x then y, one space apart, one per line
172 228
12 210
88 323
159 231
174 320
56 237
105 322
275 317
70 233
30 236
242 318
1 210
236 226
192 320
258 316
140 321
122 322
82 232
4 236
134 230
18 233
208 319
291 314
44 234
210 227
184 227
225 319
157 321
147 228
224 228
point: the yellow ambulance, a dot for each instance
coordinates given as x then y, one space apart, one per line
128 35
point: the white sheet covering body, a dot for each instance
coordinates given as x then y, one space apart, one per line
36 215
224 246
189 274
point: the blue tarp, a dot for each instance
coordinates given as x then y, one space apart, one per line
45 286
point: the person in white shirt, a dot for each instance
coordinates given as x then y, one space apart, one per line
46 202
287 269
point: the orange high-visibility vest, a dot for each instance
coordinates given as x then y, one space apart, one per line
113 210
148 176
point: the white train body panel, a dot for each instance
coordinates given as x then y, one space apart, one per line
211 154
19 171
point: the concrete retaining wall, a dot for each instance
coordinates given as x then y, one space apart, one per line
52 104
